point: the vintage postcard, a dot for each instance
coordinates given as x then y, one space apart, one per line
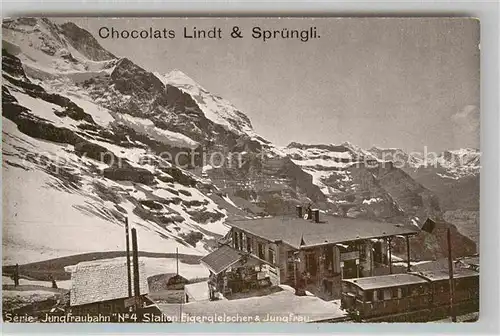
251 170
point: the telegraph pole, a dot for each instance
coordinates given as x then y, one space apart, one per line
129 276
450 270
135 256
389 241
177 259
408 253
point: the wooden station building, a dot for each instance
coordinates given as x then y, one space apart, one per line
313 248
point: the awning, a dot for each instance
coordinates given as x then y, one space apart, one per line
226 256
220 259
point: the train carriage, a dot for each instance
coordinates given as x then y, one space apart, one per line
465 292
410 297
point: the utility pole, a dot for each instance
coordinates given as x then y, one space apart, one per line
389 243
129 275
177 258
408 253
135 257
450 270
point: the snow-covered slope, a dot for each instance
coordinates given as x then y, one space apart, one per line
98 138
89 138
63 190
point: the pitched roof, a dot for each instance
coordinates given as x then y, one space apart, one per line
226 256
429 266
103 280
331 229
443 274
385 281
442 265
221 259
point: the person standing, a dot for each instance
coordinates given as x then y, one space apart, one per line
16 275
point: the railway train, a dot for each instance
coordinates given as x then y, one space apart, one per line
410 297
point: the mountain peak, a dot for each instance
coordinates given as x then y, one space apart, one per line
374 147
177 77
85 43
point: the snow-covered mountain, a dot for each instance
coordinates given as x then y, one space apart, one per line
89 138
74 166
453 174
452 164
327 162
215 108
389 184
358 184
460 163
92 137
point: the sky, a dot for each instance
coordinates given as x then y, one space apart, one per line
388 82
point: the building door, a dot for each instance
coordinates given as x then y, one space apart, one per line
311 264
378 255
350 269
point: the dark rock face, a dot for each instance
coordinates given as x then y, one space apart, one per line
192 237
180 177
431 246
96 152
453 194
366 186
33 126
85 43
179 101
186 117
131 79
129 173
14 68
12 65
412 197
275 184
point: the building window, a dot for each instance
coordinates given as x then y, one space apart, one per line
272 256
240 241
380 295
368 296
387 294
249 245
235 240
243 241
261 251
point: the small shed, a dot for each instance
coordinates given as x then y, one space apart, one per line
101 287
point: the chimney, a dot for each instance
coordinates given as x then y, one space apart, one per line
299 211
135 259
316 215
